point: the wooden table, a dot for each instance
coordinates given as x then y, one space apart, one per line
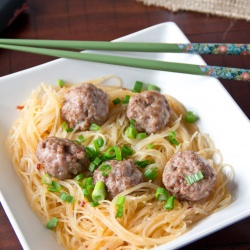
110 19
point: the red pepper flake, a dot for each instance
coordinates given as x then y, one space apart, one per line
38 166
82 203
189 207
19 107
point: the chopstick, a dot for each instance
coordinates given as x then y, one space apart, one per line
204 70
194 48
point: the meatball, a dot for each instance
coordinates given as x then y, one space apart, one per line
183 164
61 158
123 175
84 105
150 111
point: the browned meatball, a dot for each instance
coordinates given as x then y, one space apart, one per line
84 105
123 175
61 158
150 111
184 164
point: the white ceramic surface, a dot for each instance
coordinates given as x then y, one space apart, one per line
219 116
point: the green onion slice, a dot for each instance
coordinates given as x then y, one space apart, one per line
94 164
131 132
153 87
94 127
172 138
117 101
98 143
143 164
161 194
54 187
126 151
137 87
79 177
105 169
169 205
60 83
120 205
46 179
151 173
191 179
94 203
80 139
67 198
126 99
190 117
150 146
141 136
91 153
99 193
52 224
66 128
118 153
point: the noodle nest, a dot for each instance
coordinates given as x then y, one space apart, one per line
145 222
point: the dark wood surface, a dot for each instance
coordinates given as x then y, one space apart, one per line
110 19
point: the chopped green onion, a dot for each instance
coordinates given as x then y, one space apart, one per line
80 139
151 173
79 177
120 204
191 179
94 127
109 154
52 224
117 101
126 151
143 164
46 179
91 153
150 146
94 203
141 136
126 99
98 143
87 185
67 198
105 169
161 194
54 187
172 138
60 83
99 193
94 163
191 117
132 123
118 154
65 127
137 87
170 203
131 132
153 87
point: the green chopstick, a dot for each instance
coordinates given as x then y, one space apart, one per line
214 71
194 48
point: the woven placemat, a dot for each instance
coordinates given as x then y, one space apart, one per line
230 8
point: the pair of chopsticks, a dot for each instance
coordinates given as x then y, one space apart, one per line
44 47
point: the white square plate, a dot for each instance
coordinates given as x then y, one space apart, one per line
219 116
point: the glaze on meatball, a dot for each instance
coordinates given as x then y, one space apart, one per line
123 175
150 111
187 163
61 158
84 105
